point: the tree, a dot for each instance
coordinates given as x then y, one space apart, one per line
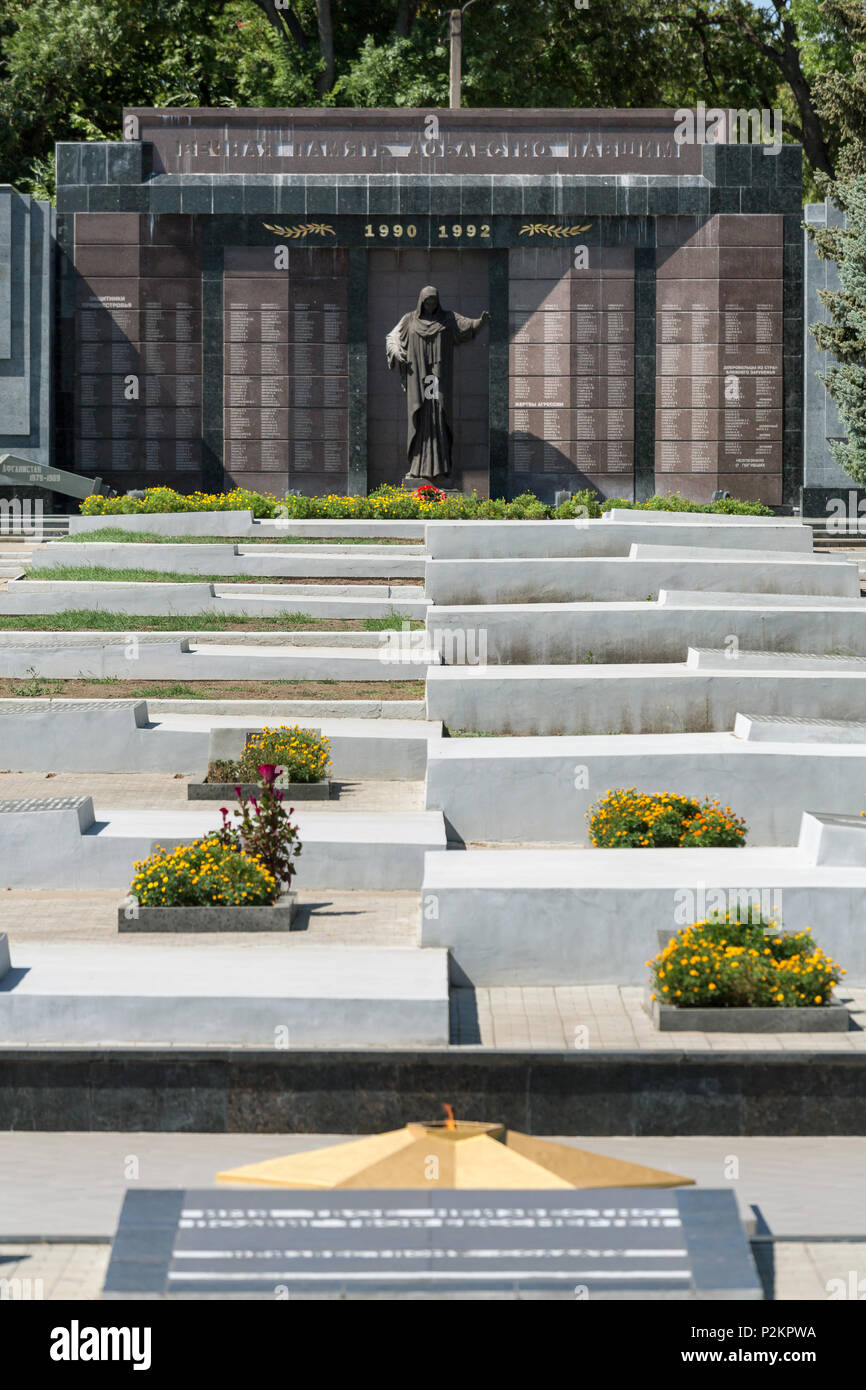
845 335
840 94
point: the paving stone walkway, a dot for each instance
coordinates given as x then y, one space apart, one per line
154 790
614 1017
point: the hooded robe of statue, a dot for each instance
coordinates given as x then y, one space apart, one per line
423 348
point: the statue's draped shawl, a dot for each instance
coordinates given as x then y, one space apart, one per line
421 346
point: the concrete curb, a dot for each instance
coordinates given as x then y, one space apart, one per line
276 916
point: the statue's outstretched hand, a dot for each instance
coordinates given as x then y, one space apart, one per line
485 317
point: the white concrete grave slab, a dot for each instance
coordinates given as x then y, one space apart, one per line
387 656
50 735
154 599
586 917
542 634
635 578
62 843
833 838
235 561
778 728
456 540
540 790
645 698
313 996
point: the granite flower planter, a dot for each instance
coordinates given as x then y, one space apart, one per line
818 1018
225 791
271 917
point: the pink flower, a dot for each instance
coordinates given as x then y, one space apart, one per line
268 773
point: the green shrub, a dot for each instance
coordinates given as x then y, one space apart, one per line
753 964
302 755
203 874
674 502
628 819
398 504
165 499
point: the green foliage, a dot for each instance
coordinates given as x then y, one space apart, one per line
628 819
203 874
840 84
67 70
301 754
844 336
263 829
752 964
165 499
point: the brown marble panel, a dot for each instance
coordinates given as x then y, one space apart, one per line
319 455
171 359
534 294
750 424
613 327
160 325
686 456
175 262
257 424
318 424
687 359
98 422
688 392
105 456
750 456
256 455
171 455
602 359
549 391
687 296
107 228
165 293
120 356
255 392
158 422
750 295
533 360
171 390
749 229
101 262
170 229
255 294
256 326
674 326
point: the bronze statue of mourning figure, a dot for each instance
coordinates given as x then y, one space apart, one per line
421 345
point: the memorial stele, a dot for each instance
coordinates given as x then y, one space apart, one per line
228 278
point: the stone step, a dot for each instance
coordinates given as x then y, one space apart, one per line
292 995
75 848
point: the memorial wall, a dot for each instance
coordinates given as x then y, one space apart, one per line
228 278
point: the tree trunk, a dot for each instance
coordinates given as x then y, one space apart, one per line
406 12
325 79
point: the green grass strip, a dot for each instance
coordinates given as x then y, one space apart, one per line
117 533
